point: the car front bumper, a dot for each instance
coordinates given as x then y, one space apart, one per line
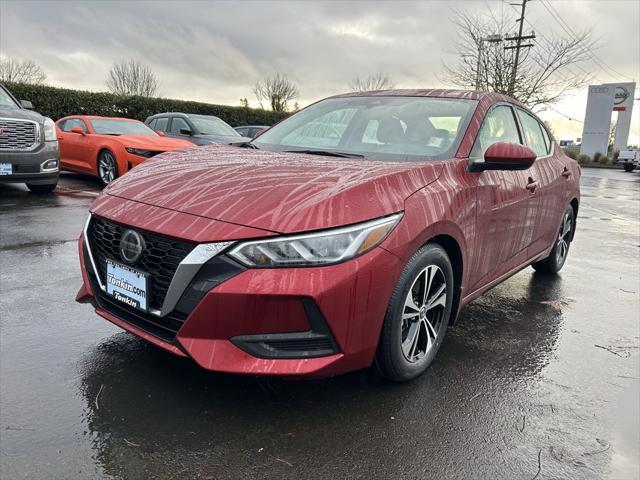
28 167
295 322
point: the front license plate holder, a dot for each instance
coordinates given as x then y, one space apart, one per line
128 285
6 169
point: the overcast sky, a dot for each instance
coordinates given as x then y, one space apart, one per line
215 51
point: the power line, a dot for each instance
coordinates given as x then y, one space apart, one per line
568 67
567 28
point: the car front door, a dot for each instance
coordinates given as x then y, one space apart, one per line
75 148
505 218
551 174
176 126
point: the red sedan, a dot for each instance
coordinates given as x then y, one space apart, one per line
107 147
350 233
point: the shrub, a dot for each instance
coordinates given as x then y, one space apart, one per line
584 158
596 157
604 160
571 153
59 102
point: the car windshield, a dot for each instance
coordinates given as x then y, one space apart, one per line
121 127
212 126
390 128
6 101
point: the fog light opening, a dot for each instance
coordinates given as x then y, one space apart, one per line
49 166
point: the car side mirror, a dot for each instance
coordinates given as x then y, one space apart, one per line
186 131
160 132
26 104
78 130
505 156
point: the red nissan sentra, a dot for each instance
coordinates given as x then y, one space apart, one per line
351 233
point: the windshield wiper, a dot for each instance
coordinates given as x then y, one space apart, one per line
328 153
248 145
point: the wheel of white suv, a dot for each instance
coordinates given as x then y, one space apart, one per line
555 261
417 316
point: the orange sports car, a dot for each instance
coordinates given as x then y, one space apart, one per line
108 147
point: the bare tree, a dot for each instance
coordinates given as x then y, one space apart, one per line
276 91
375 81
546 71
132 78
25 71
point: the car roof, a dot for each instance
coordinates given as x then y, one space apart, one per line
98 117
435 93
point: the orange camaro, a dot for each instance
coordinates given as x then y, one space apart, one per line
108 147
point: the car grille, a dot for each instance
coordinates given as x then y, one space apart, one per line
18 135
160 258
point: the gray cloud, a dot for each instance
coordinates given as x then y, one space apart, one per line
215 51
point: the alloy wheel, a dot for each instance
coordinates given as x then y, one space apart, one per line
564 237
107 167
423 313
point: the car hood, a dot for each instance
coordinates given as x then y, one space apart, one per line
21 114
152 143
279 192
225 139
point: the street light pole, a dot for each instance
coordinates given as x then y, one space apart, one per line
495 38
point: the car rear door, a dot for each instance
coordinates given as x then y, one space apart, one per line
551 174
505 205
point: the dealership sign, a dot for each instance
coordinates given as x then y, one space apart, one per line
602 101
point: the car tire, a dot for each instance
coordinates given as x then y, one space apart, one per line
628 167
46 188
558 255
107 167
416 321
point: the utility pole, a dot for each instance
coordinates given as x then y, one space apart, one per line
518 45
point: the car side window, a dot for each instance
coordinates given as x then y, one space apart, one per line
547 138
243 131
499 126
73 122
178 123
161 124
152 124
533 133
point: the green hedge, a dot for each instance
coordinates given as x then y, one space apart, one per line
60 102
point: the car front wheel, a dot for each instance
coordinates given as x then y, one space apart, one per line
628 167
107 167
417 316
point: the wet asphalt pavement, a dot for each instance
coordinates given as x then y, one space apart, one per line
538 379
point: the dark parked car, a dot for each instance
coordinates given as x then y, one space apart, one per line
28 145
198 129
251 130
352 232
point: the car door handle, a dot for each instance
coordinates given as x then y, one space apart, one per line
532 185
566 173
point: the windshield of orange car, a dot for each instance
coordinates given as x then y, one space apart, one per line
391 128
120 127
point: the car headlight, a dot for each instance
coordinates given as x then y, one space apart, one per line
140 152
49 130
319 248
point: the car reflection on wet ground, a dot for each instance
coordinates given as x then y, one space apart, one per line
539 378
